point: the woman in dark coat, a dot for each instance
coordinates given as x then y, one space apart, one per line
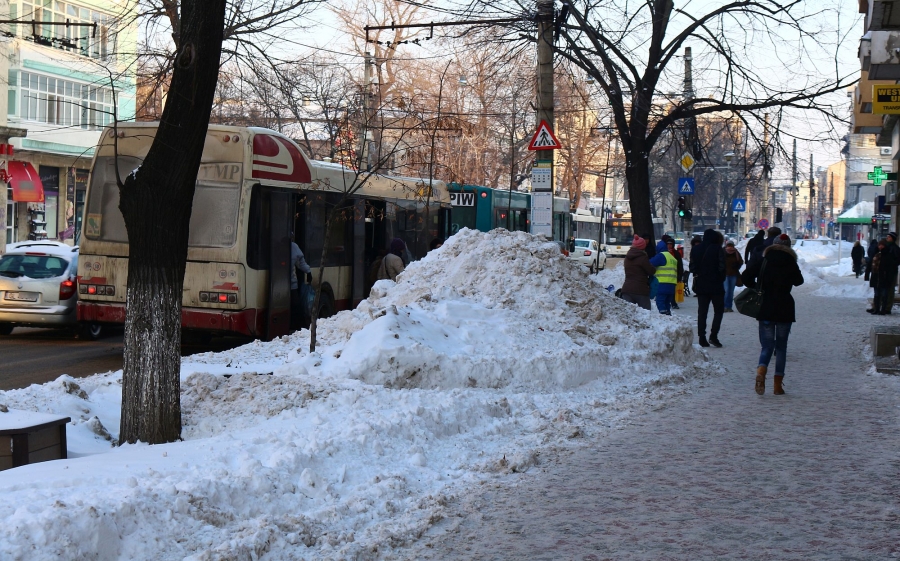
857 254
709 284
874 273
638 270
776 313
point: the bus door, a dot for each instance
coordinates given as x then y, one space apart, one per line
281 218
376 241
359 268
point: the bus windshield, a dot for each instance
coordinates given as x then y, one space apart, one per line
219 198
619 232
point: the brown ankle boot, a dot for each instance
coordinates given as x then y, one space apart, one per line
761 379
778 389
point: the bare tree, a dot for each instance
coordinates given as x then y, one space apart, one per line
633 51
164 187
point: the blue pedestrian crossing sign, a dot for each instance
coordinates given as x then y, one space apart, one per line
686 186
738 205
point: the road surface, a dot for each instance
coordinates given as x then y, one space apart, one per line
35 356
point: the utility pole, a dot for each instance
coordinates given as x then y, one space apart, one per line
812 196
542 170
794 192
368 111
687 223
766 170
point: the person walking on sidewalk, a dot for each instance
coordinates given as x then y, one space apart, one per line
775 274
733 264
679 264
693 262
887 274
638 270
754 242
667 274
873 274
709 285
857 254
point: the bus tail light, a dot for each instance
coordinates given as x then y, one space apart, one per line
219 297
96 289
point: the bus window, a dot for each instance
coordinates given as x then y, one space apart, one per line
217 225
619 232
258 231
340 246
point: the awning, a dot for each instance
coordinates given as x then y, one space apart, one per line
860 213
25 182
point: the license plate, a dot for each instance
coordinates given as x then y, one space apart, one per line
22 296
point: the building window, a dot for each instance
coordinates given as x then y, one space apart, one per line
79 40
61 102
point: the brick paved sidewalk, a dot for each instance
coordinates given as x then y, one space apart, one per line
720 473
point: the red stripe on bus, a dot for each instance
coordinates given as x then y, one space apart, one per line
243 322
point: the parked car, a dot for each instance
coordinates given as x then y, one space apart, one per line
590 254
38 287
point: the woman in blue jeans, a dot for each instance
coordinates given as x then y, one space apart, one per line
776 274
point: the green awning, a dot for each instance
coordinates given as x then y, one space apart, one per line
855 220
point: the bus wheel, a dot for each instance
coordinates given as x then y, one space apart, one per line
6 328
326 305
89 331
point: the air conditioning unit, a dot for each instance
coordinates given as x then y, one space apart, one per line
885 150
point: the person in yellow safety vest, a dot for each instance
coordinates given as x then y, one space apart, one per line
667 275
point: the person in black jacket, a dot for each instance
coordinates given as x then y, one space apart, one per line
757 253
777 312
887 274
754 242
857 254
709 283
870 253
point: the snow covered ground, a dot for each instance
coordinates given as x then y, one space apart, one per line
488 353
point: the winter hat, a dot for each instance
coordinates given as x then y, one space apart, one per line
893 235
397 247
639 242
729 242
783 239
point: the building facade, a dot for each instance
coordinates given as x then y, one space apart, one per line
64 84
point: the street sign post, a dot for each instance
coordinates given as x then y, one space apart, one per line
544 139
738 205
685 185
687 162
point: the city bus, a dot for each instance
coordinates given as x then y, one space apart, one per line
587 226
255 188
484 208
620 233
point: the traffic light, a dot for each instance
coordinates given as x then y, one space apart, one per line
812 193
779 217
687 215
681 207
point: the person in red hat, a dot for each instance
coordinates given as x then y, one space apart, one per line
638 270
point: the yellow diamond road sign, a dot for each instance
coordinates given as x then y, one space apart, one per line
687 162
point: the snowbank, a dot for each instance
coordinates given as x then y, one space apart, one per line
488 352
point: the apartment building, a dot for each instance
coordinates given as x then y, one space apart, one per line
70 71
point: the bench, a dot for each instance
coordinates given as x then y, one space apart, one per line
27 437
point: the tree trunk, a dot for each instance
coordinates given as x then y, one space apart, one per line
637 174
156 204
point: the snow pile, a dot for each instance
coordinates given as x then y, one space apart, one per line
487 352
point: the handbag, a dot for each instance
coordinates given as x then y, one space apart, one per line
749 301
679 292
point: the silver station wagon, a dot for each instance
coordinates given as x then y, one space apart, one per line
38 287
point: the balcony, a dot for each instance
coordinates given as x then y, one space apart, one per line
882 14
884 58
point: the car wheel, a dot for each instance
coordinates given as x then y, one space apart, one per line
593 267
6 328
89 331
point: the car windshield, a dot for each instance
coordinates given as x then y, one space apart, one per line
32 266
582 243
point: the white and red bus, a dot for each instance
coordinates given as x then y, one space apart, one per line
254 188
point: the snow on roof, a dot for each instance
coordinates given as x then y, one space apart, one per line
481 355
862 209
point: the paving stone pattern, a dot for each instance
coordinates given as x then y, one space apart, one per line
718 473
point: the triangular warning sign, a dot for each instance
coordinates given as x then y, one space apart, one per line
686 188
544 139
738 206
